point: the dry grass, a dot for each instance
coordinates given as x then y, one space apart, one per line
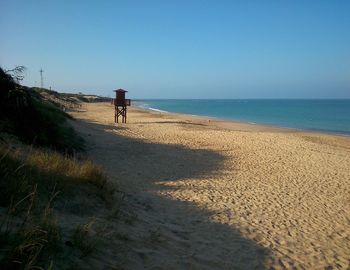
83 239
69 169
29 240
22 167
30 181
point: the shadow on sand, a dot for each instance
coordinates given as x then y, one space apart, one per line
168 232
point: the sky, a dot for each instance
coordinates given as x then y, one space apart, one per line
181 49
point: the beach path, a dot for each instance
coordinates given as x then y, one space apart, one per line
203 194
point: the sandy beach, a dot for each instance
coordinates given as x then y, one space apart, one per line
208 194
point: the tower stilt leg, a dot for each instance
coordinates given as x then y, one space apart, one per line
120 111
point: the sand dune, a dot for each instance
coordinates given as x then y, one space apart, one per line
217 195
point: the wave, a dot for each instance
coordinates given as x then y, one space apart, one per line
156 110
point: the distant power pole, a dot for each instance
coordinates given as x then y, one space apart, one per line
42 78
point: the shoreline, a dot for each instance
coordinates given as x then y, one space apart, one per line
247 126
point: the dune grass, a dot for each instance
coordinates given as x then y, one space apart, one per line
22 167
29 241
34 121
41 173
83 240
30 180
40 123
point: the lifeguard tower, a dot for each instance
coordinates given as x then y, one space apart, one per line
120 104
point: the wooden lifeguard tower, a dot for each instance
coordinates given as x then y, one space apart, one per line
120 104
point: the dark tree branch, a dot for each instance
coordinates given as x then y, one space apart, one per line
16 73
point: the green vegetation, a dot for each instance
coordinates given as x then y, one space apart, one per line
39 169
33 120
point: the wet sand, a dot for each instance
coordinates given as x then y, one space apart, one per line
209 194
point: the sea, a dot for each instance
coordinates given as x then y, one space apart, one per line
322 115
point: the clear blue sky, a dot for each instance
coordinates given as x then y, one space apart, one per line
182 49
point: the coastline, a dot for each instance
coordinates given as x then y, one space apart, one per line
213 195
231 124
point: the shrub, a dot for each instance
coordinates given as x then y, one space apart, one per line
33 120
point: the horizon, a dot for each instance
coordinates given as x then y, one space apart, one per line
182 50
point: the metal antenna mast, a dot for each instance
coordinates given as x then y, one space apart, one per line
42 78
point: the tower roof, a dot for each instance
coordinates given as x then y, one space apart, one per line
120 90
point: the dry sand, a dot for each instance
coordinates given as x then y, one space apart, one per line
216 195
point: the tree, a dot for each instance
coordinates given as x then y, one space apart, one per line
17 73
